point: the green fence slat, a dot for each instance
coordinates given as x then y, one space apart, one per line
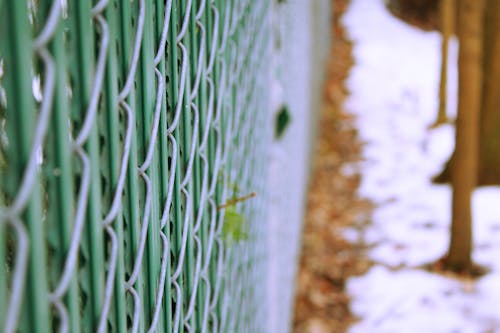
174 66
225 19
198 83
20 117
59 173
211 222
131 198
4 279
83 64
164 155
188 127
147 93
113 161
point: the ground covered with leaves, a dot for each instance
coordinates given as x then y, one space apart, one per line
327 259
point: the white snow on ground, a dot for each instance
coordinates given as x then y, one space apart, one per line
394 90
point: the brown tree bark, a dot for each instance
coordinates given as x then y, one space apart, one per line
447 18
489 137
489 161
464 169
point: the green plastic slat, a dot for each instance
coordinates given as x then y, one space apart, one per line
21 119
189 125
147 100
127 37
164 155
112 167
196 43
60 180
213 139
3 165
204 169
84 70
173 94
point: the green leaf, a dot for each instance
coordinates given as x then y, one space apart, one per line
234 228
282 121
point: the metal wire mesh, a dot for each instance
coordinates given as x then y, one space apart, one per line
124 127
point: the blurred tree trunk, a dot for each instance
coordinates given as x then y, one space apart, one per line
465 163
489 161
446 18
489 141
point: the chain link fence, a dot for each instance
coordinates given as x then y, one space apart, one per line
133 149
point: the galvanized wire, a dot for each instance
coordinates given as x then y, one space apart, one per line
124 127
